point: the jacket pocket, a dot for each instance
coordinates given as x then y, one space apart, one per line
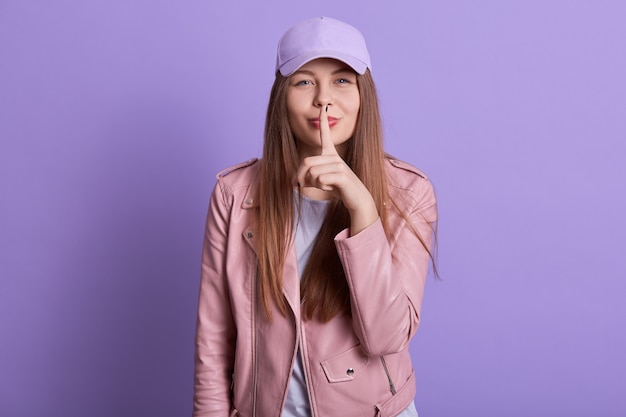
401 400
346 366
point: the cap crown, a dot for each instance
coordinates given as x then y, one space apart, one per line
321 37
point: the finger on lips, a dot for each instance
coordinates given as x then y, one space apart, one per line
311 168
328 148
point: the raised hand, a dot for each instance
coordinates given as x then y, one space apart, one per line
327 176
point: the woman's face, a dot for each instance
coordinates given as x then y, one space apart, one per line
317 84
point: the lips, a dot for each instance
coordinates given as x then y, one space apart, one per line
315 122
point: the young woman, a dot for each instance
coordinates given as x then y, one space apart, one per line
315 257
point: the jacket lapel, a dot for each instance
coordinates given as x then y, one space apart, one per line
291 278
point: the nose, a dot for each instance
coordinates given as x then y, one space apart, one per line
323 96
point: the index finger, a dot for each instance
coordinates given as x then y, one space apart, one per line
328 147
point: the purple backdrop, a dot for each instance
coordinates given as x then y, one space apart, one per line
115 116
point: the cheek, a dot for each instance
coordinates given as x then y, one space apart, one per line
293 115
290 113
295 125
357 103
355 113
354 103
356 108
291 104
292 118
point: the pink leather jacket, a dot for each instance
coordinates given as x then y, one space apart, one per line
356 365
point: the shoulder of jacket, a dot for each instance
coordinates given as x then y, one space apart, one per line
223 173
405 166
411 189
238 180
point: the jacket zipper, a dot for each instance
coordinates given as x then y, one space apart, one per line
256 371
305 369
392 387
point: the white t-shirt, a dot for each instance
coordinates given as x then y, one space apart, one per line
312 214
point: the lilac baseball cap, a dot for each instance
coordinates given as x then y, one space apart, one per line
321 37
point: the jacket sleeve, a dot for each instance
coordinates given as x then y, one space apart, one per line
215 328
386 276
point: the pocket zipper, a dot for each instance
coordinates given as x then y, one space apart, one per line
392 387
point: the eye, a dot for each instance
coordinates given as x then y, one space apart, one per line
345 80
303 82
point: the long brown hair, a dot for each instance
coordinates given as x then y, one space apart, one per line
323 289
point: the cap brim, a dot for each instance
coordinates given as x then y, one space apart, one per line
294 64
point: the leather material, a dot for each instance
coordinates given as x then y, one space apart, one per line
243 362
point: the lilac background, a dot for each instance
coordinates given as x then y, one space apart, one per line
115 116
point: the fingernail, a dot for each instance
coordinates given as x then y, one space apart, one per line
327 108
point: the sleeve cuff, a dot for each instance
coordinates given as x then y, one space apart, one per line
344 241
